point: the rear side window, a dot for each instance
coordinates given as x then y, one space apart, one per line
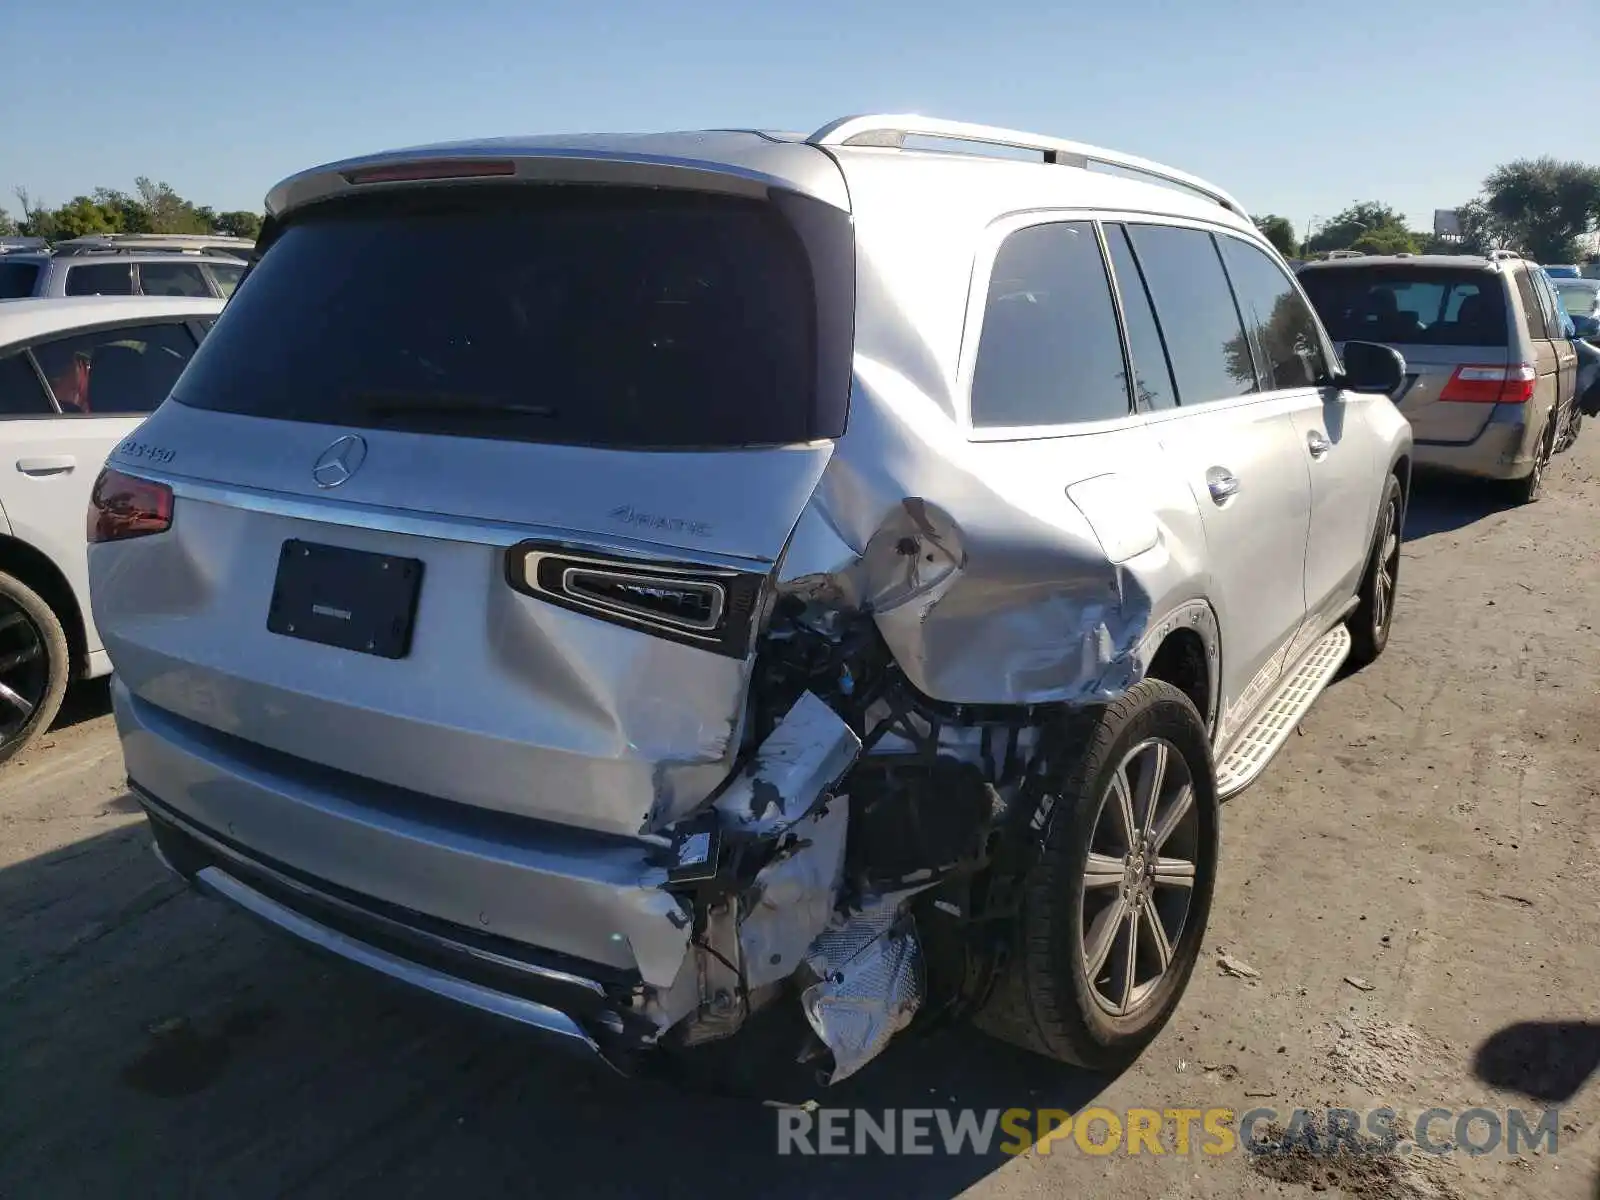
100 279
1151 373
115 371
227 277
17 280
587 316
1050 351
172 279
1288 343
1532 305
1207 344
21 394
1418 306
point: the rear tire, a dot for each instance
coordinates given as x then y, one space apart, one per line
35 663
1097 1001
1530 487
1370 623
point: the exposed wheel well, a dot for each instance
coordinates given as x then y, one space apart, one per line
1181 661
22 561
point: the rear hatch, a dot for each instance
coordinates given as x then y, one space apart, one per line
1439 318
477 488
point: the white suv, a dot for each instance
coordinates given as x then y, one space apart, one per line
810 576
76 378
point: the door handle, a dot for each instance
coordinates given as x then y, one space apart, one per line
1222 483
50 464
1318 444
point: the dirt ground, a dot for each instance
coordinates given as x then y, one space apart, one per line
1414 882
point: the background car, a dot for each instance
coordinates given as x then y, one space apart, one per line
1563 271
118 273
1491 376
76 378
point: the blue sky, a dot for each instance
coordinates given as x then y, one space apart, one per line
1297 108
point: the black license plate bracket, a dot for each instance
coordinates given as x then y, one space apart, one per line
350 599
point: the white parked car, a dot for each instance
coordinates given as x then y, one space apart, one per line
76 379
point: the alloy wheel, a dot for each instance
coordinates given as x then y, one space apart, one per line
1388 569
1139 877
24 670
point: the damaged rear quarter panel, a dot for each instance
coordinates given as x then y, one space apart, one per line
987 582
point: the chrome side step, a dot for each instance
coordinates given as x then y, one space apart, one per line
1258 742
562 1028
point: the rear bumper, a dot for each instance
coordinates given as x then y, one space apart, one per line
346 931
1504 450
512 882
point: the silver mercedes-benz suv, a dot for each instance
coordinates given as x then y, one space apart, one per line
822 576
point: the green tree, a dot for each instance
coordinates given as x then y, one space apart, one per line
169 212
8 227
37 221
1278 231
132 215
81 216
239 224
1388 240
1549 204
1483 230
1341 232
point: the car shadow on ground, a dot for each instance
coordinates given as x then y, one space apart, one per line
168 1044
84 701
1446 503
1549 1061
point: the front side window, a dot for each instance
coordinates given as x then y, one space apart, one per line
1288 342
172 279
115 372
1050 352
1206 342
100 279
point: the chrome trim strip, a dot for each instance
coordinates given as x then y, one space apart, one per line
502 534
715 593
524 1012
449 945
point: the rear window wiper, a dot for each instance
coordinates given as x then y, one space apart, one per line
447 405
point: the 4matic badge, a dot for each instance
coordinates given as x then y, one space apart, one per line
629 515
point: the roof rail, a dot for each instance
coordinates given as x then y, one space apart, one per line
892 130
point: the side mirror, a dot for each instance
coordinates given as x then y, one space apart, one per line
1369 367
1586 327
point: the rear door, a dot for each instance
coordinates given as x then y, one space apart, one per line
587 419
101 384
1543 328
1235 446
1561 348
1441 319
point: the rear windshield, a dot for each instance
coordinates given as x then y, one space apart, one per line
1417 307
17 280
1580 301
575 315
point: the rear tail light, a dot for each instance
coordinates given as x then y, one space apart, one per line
1511 384
123 506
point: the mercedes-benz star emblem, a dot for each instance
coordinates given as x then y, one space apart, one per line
340 461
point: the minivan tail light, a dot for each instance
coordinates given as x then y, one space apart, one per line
1511 384
433 168
123 506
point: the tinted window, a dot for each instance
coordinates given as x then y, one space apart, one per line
1150 370
602 317
172 279
1050 350
1580 301
1555 318
1207 344
1288 343
1420 306
100 279
17 280
111 371
1532 305
21 394
227 277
